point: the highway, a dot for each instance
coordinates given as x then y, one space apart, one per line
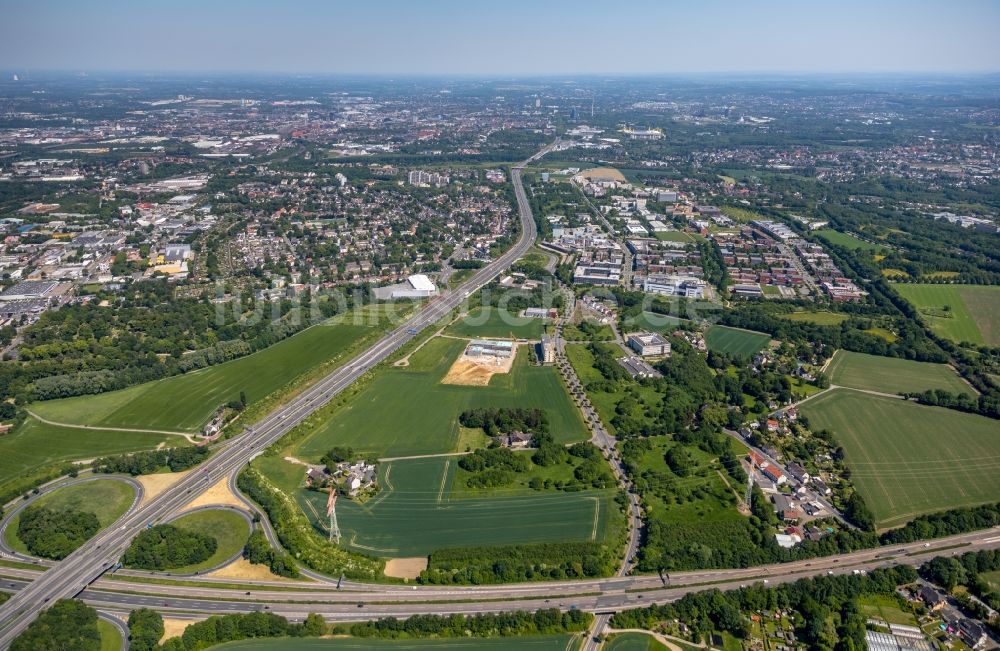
600 596
91 560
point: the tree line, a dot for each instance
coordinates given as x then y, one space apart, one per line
145 463
511 563
495 421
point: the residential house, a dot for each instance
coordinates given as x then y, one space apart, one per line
931 597
797 472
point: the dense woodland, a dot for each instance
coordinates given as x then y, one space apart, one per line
68 624
258 550
55 533
165 547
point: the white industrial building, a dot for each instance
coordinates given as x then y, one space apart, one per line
416 286
648 344
686 286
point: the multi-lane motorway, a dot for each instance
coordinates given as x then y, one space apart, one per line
81 573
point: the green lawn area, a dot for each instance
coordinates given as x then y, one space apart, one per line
886 608
846 240
891 374
406 411
35 445
700 497
284 474
993 578
229 529
888 335
415 513
460 276
108 499
819 317
533 643
111 639
591 330
654 322
186 402
972 314
734 341
633 642
495 322
907 459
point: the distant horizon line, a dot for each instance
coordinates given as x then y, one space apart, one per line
82 73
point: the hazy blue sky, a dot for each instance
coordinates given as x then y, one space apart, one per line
501 36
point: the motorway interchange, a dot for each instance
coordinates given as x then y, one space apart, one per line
83 574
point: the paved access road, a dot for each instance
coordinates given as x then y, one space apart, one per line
86 564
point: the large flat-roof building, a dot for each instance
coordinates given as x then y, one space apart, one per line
29 289
649 344
416 286
637 367
590 275
490 348
669 285
548 348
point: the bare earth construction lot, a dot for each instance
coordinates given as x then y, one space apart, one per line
477 370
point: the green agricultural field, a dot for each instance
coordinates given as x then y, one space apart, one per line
35 445
186 402
415 514
958 312
633 642
494 322
108 499
846 240
891 374
533 643
907 459
819 317
407 411
734 341
229 529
